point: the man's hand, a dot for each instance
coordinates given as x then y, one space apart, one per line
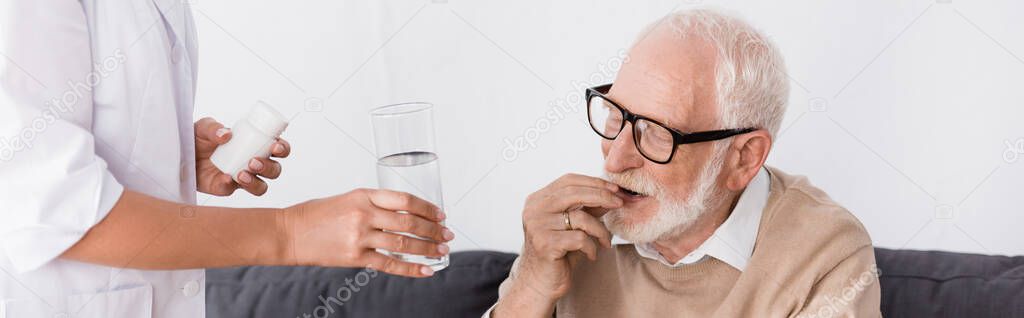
209 135
346 230
544 268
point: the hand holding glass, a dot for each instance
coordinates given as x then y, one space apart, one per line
406 161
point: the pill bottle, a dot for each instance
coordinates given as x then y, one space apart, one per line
251 137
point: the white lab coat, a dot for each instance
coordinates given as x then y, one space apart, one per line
95 97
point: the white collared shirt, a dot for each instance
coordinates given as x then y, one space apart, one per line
733 241
105 92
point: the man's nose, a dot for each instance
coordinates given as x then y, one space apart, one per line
622 153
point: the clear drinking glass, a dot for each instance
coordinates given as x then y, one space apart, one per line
406 160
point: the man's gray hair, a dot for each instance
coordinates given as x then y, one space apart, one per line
752 87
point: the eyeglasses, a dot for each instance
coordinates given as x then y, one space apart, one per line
654 140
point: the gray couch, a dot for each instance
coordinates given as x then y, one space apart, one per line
914 284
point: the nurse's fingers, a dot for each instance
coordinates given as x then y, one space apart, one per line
251 183
281 148
402 201
215 183
208 129
264 167
406 244
391 265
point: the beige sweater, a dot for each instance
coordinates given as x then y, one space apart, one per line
812 258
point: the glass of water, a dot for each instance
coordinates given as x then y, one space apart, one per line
406 160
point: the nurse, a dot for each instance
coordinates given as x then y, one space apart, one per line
100 161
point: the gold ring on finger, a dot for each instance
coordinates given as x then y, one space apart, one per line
568 223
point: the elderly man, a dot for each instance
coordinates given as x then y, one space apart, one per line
702 228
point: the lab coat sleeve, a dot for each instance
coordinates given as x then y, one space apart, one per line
53 186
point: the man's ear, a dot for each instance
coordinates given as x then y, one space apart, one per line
747 154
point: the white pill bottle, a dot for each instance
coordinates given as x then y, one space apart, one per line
251 137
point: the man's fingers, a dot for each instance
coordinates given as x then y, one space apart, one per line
585 222
401 201
570 241
251 183
391 265
209 129
582 180
405 244
411 223
575 197
263 167
597 212
281 148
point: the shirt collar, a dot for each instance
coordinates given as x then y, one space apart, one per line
733 241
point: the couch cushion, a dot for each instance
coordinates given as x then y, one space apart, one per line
914 284
943 284
465 289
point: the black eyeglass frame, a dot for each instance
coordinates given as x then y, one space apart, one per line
678 137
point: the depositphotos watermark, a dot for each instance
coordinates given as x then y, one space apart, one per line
1013 150
562 107
59 106
834 304
342 295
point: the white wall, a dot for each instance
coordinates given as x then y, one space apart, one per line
918 99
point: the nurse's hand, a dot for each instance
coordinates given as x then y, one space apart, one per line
346 231
209 135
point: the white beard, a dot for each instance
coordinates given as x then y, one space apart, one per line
673 216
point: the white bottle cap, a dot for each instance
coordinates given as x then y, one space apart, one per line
267 119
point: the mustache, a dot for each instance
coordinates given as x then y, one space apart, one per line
636 181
